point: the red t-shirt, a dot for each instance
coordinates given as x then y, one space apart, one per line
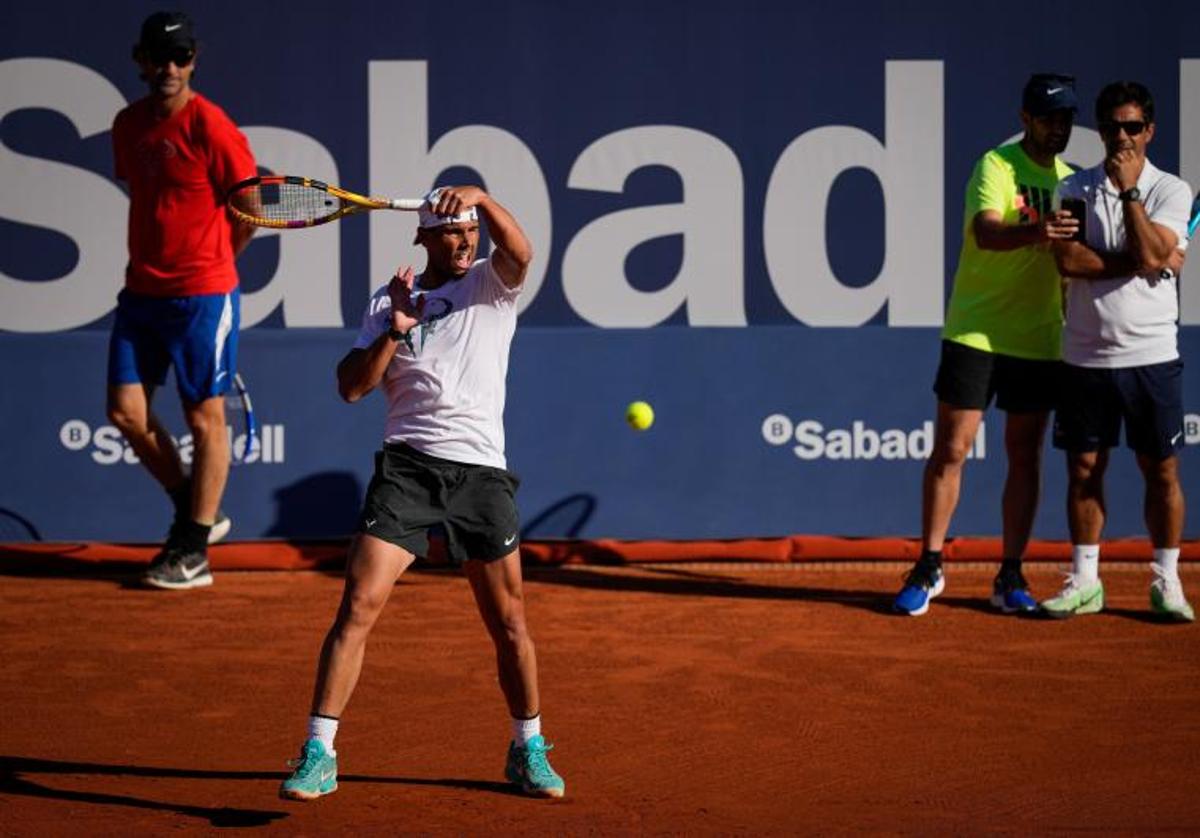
179 170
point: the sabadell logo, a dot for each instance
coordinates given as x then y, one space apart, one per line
108 447
810 439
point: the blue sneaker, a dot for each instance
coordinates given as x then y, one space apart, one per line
528 768
923 583
315 774
1010 592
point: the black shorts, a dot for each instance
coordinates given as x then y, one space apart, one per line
1095 402
412 491
968 378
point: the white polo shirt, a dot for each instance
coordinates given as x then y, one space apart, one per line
1128 321
446 394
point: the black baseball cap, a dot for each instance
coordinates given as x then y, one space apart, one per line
1048 92
164 31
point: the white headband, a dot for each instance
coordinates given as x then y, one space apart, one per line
429 219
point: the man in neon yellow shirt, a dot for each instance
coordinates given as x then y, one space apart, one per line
1001 339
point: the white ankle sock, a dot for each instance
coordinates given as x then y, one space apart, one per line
324 729
1167 561
1085 562
526 729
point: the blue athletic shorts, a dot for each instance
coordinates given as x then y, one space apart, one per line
198 336
1147 400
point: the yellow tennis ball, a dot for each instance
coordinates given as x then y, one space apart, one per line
639 415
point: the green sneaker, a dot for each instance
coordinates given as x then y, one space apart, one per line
1075 598
528 768
315 774
1166 598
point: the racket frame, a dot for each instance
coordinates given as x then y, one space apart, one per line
351 202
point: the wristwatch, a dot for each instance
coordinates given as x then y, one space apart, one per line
1133 194
397 335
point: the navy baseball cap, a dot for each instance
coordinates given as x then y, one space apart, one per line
164 31
1048 92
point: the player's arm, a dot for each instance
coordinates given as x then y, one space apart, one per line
1148 243
361 370
240 235
989 196
511 249
1076 260
991 233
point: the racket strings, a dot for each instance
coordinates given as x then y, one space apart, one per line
287 202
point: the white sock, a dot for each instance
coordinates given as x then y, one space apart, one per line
323 729
1167 561
1085 562
526 729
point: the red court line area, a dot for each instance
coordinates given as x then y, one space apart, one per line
67 558
682 700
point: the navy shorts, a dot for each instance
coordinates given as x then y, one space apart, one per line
969 378
412 491
198 336
1147 400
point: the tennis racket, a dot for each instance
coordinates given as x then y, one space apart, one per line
288 202
1193 223
239 410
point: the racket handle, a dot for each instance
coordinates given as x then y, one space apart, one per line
410 204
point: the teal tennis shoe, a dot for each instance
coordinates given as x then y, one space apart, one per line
315 774
528 768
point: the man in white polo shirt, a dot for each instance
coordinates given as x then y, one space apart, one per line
1120 347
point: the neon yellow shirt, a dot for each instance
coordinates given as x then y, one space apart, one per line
1008 301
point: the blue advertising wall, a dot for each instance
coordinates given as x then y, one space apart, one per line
747 214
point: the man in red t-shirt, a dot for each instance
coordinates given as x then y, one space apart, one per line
180 308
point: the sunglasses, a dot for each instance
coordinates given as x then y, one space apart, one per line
1131 127
162 56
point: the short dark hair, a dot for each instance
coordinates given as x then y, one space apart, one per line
1120 93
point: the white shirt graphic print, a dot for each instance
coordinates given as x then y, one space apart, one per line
446 394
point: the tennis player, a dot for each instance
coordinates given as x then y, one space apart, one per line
179 153
1121 350
439 345
1001 340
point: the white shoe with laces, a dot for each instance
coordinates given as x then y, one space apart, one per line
1166 597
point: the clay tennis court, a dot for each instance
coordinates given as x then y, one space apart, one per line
682 699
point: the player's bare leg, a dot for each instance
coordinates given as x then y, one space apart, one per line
953 435
1024 434
1085 495
498 593
129 411
1164 505
210 460
372 569
1083 592
1164 511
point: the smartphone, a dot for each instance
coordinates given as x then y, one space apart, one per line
1077 208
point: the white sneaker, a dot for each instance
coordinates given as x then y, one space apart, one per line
220 528
1166 597
1078 596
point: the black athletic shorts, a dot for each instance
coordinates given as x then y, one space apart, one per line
1148 400
969 378
412 491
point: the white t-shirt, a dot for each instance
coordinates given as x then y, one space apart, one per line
446 394
1126 321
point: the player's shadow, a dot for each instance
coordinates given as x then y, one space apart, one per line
317 506
692 583
15 779
564 519
41 563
